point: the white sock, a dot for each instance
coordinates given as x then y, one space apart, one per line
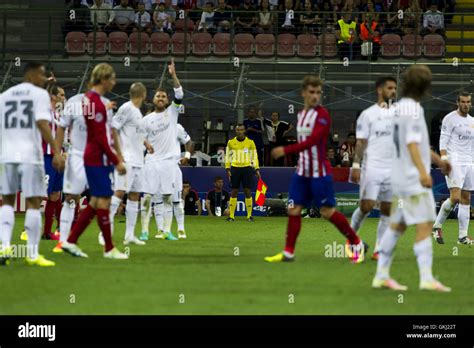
384 223
67 217
357 219
7 220
145 206
178 211
158 211
33 229
424 256
114 205
464 215
131 215
386 247
444 211
167 213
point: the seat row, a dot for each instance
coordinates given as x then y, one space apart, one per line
243 45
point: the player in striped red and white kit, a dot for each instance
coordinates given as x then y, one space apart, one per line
100 155
312 181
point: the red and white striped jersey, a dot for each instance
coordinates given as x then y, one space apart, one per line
53 124
313 131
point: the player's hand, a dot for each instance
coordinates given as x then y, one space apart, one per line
149 148
171 67
445 167
184 161
58 162
426 180
112 105
278 152
228 174
121 168
257 174
355 175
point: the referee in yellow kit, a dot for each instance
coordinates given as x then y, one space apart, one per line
241 164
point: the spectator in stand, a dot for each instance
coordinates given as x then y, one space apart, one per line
276 133
80 21
123 17
333 159
352 7
143 20
266 18
287 20
310 20
347 150
191 200
246 21
101 14
393 24
171 12
162 19
328 19
347 37
217 199
206 24
433 21
370 36
412 18
222 17
254 129
370 9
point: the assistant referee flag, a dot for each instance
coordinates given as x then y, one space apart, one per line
260 194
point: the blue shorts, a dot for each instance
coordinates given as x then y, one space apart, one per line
53 177
307 191
99 180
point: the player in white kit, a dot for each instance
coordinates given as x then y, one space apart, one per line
375 145
456 144
160 163
72 125
127 122
413 202
25 112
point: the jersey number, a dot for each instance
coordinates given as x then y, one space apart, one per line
395 139
11 115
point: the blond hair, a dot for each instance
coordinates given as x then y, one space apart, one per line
102 71
137 90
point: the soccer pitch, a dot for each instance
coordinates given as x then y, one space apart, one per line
219 269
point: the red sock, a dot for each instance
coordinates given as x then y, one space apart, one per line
83 221
104 224
292 232
48 217
340 221
57 212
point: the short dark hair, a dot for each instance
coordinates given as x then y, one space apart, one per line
416 81
311 80
381 81
54 89
186 182
463 93
239 125
275 112
31 66
351 134
217 178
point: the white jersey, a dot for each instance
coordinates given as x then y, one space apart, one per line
182 138
127 121
375 125
457 138
73 120
21 106
409 127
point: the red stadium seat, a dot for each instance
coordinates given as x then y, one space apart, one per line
307 45
100 43
180 25
160 44
412 45
202 44
139 40
221 43
391 46
286 45
118 42
243 45
264 45
180 41
433 46
328 44
76 42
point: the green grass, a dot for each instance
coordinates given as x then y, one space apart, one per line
215 281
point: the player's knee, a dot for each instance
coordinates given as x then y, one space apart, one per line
326 212
366 206
119 194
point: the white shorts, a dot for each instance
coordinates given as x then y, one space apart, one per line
375 185
413 210
160 177
132 181
28 178
461 176
75 180
178 184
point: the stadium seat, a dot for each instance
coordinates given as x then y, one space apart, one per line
391 46
160 44
221 44
412 45
76 42
178 43
433 46
101 41
118 42
243 45
307 45
286 45
264 45
328 45
202 44
180 25
139 40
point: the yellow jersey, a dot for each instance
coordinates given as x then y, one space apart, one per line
241 153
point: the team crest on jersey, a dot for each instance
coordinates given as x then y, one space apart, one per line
99 117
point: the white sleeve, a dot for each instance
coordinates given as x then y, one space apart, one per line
65 120
183 136
363 127
42 106
178 94
121 117
446 130
413 129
